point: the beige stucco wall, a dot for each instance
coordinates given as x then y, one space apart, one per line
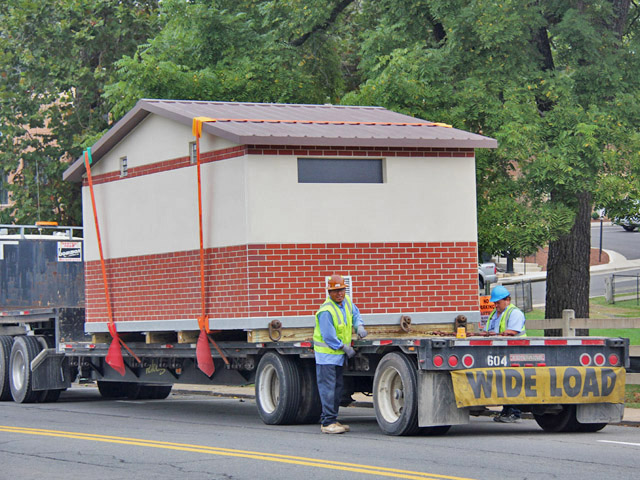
422 200
257 199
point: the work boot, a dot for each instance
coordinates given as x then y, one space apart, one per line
346 427
508 418
333 428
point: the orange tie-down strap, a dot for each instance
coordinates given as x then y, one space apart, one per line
198 121
203 351
114 354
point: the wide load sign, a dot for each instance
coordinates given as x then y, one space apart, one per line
539 385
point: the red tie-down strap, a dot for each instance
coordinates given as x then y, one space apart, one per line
114 355
203 350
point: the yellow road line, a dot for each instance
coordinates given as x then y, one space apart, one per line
269 457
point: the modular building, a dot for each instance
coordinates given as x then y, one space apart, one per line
291 194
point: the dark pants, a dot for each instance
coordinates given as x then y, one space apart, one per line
330 383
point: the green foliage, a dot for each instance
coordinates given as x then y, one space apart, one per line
56 58
233 51
555 82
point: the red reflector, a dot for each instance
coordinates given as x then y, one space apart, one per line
599 359
585 359
438 360
541 364
480 342
92 346
386 342
453 361
555 342
613 359
468 361
528 364
518 342
593 342
305 344
416 343
515 364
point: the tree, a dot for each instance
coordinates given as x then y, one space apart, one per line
237 50
56 58
556 83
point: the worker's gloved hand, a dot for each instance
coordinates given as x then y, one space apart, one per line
348 349
362 332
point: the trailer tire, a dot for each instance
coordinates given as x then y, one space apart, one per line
112 389
6 342
148 392
310 405
277 389
24 350
564 421
49 396
160 392
395 395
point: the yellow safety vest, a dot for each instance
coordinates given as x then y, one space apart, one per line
342 325
503 320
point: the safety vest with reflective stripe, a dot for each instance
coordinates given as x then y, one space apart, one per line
342 325
504 320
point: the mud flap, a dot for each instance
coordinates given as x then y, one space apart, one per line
600 412
437 402
50 371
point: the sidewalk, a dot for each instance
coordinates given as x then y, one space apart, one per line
631 415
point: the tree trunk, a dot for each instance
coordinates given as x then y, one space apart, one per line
568 269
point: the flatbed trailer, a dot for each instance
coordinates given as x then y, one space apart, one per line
266 201
421 380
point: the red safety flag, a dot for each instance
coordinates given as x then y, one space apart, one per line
203 354
114 355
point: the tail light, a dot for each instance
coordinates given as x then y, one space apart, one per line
438 361
614 359
453 361
468 361
599 359
585 359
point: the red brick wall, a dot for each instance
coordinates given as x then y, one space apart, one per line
286 280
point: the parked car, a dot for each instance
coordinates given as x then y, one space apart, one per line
628 223
487 274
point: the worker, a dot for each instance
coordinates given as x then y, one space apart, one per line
335 320
506 319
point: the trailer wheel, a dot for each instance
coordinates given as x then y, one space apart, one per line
112 389
6 342
310 406
395 395
148 392
49 396
563 421
277 389
160 392
24 350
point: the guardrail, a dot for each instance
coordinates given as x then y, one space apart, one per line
569 323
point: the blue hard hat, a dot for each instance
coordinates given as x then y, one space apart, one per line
498 293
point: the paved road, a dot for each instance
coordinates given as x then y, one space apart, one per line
617 239
195 437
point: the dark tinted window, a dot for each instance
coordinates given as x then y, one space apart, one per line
339 170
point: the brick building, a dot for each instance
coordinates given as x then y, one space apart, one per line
291 194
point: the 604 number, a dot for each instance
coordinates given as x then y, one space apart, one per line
497 360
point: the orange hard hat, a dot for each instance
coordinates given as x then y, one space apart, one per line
336 282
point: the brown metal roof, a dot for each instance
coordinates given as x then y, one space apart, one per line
253 124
